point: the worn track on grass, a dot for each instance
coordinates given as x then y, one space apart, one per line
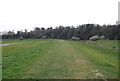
58 59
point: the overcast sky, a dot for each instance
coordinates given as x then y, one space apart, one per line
27 14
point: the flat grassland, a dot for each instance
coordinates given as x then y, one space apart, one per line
60 59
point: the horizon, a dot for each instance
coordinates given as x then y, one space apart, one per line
75 26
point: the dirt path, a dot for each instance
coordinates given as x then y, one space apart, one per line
7 44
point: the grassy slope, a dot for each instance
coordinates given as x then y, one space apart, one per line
58 59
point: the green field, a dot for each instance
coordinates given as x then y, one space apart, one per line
60 59
0 60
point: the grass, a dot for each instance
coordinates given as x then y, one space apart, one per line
4 41
59 59
0 60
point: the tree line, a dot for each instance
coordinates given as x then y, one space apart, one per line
84 32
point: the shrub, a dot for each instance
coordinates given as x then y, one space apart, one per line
21 38
102 37
75 38
94 38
